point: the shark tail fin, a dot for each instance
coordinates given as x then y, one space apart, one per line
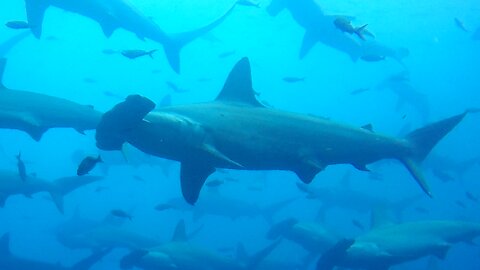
359 31
269 211
35 13
5 245
255 259
116 123
130 260
178 41
331 257
88 262
422 141
150 53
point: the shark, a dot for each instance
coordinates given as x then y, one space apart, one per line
320 27
8 44
12 184
237 132
312 236
35 113
9 261
116 14
391 244
182 255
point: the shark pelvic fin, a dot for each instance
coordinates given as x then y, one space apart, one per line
35 13
192 178
238 86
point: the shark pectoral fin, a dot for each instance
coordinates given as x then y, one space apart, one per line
88 262
172 52
36 132
417 174
35 13
257 258
192 178
57 199
308 170
180 234
108 27
211 150
309 40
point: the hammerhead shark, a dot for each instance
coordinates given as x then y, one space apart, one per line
9 261
12 184
392 244
35 113
115 14
320 27
237 132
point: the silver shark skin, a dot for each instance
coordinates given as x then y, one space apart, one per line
115 14
35 113
321 28
386 246
12 184
236 132
9 261
180 255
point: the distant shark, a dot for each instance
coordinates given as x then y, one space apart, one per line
179 254
321 28
35 113
114 14
7 45
12 184
393 244
9 261
237 132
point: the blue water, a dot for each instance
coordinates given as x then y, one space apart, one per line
69 61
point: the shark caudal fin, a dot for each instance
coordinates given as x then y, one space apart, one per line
178 41
91 260
422 142
334 255
35 13
116 123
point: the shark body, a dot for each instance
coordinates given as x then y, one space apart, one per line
237 132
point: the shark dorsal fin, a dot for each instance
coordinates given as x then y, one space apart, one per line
180 235
5 245
3 63
238 86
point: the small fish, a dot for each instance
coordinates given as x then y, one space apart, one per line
87 164
293 79
156 71
109 51
358 224
22 172
163 207
231 179
225 249
471 197
17 25
444 176
359 91
133 54
138 178
248 3
112 95
204 79
460 25
461 204
227 54
175 88
345 25
421 210
255 188
121 214
214 183
373 58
